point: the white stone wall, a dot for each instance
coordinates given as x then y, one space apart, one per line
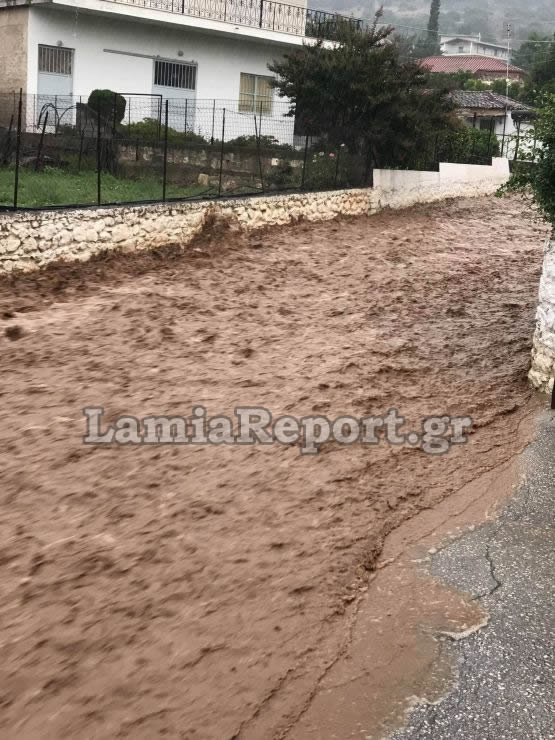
543 351
29 240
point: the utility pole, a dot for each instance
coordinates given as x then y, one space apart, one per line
509 31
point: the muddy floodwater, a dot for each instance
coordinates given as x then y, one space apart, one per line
193 591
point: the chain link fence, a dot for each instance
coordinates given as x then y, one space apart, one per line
61 151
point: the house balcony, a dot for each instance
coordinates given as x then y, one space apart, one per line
266 15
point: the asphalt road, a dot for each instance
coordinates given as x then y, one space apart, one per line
505 688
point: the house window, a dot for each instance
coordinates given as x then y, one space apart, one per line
461 49
175 74
255 94
55 60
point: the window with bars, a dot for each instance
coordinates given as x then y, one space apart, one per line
255 94
175 74
55 60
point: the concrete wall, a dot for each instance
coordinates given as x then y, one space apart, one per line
542 372
13 48
401 188
29 240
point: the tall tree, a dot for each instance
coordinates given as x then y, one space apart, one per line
361 93
429 45
433 25
525 56
542 77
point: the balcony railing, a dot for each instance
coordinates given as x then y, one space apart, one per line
265 14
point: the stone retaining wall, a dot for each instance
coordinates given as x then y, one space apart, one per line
31 239
542 372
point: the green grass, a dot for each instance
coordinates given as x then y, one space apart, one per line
59 187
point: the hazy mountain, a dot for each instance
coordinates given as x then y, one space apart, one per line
488 17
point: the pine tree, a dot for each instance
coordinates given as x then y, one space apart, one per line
429 45
433 25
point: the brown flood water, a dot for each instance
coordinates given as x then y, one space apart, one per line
184 591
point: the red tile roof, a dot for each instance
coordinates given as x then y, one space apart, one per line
468 63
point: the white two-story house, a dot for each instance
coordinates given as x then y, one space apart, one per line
472 45
193 51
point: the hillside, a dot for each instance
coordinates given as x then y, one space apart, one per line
488 17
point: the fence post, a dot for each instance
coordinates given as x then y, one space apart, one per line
98 158
256 131
491 125
114 113
159 117
81 142
517 140
472 158
369 173
186 115
213 118
17 149
6 152
337 157
165 151
304 162
503 139
41 141
221 154
261 12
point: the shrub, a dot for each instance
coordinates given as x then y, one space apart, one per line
539 175
110 105
467 145
151 131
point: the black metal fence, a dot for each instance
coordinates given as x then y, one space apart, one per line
60 151
265 14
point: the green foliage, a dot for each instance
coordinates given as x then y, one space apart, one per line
451 81
331 169
428 45
526 56
283 176
55 186
361 94
517 91
539 176
110 105
542 76
251 142
462 80
267 144
538 58
469 145
477 85
150 131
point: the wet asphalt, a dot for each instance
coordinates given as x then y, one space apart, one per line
506 679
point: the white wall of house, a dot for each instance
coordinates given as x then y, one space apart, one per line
468 45
118 53
505 125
